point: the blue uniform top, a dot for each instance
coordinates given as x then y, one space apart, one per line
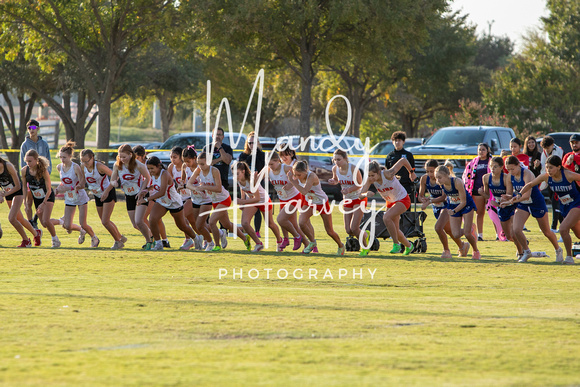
453 199
536 199
567 191
434 190
497 190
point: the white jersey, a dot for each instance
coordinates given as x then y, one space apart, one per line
171 199
96 182
130 181
216 197
279 181
183 192
347 181
246 188
391 190
316 195
199 197
70 180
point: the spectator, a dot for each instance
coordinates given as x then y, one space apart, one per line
534 155
398 138
551 149
246 156
572 159
516 150
222 155
34 141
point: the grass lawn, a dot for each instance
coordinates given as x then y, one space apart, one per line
81 316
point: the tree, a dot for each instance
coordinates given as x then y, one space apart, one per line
96 37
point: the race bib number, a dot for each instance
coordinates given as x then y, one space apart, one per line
95 191
71 195
566 199
38 193
164 201
439 204
280 193
310 197
184 192
529 201
131 189
7 187
454 199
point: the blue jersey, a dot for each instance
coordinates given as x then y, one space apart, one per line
497 190
567 192
435 191
453 200
535 205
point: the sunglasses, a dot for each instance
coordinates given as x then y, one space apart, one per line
33 127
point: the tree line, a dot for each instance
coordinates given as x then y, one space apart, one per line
402 64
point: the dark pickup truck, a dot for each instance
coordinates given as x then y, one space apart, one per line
461 140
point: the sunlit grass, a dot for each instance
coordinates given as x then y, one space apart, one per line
81 316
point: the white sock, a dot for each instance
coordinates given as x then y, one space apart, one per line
480 235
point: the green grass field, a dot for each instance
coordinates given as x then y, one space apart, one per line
81 316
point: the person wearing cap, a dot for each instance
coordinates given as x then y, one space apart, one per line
34 141
571 160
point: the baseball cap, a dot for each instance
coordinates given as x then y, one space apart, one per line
575 137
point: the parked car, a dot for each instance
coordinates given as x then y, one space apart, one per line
383 148
461 140
268 143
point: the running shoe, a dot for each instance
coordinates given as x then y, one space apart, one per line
216 248
446 254
364 252
258 234
247 243
198 242
148 246
259 247
560 255
315 249
279 247
462 252
209 246
158 246
525 256
185 242
341 250
396 248
480 239
308 249
34 221
519 256
408 250
285 242
476 255
55 243
1 233
224 239
297 243
82 235
187 245
165 243
117 245
38 237
569 260
95 241
25 243
123 239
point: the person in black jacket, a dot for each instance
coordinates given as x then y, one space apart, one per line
222 155
398 138
260 162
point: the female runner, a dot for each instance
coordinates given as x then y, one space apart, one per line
72 184
165 197
528 203
428 183
35 173
308 184
97 176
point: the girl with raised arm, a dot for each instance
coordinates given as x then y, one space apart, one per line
428 184
351 182
460 206
200 200
165 198
97 176
253 200
290 202
36 174
72 184
308 184
563 183
13 193
496 185
396 197
528 203
134 178
211 182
